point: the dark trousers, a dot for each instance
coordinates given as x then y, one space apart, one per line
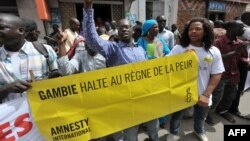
217 95
243 76
228 96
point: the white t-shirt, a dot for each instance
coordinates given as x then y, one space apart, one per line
168 36
210 62
246 34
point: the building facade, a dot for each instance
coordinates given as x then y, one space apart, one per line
148 9
134 10
225 10
176 11
107 10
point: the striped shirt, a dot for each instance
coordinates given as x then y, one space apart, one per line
30 59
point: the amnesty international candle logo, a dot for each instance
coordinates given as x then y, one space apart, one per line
188 97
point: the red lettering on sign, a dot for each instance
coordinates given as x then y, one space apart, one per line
26 125
19 122
4 134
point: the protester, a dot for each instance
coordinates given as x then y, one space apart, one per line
32 35
99 22
31 31
77 43
198 36
102 33
167 35
72 32
139 23
176 32
55 28
120 53
232 50
245 19
219 30
18 58
137 32
84 61
107 27
113 29
15 51
243 68
51 39
155 47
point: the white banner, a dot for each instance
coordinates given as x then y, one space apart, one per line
16 122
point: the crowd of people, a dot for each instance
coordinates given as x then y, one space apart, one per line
221 48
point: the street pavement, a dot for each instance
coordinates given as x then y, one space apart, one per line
214 133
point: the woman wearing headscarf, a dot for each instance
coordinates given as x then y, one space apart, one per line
154 45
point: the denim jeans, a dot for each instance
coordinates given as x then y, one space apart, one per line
200 114
153 127
130 134
118 136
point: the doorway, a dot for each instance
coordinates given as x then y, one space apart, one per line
214 16
149 10
101 10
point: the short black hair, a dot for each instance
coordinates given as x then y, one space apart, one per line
245 16
30 25
232 25
218 24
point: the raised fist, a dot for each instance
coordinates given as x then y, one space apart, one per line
88 3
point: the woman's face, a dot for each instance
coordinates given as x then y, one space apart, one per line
196 32
154 30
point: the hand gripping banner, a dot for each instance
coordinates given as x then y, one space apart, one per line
97 103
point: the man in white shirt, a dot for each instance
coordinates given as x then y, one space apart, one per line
167 35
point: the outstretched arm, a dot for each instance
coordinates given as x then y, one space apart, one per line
92 38
88 4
